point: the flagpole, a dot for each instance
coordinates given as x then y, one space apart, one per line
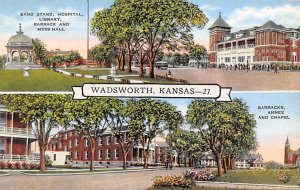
88 32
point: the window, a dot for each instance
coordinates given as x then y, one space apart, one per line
100 141
126 136
60 145
116 153
108 140
54 157
66 135
107 154
76 154
86 143
116 140
70 143
76 142
99 154
86 154
65 148
70 134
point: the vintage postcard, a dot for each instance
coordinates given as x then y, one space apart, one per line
149 94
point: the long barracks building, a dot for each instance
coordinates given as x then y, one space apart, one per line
266 44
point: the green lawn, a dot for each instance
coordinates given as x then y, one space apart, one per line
40 80
261 176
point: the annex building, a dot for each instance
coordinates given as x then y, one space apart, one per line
267 44
107 152
291 157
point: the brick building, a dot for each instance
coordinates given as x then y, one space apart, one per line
265 45
15 138
107 150
291 157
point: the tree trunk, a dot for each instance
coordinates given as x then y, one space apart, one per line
232 163
224 165
219 162
129 59
124 157
145 158
151 71
42 157
178 160
92 148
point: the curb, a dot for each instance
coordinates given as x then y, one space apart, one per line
247 185
7 174
87 173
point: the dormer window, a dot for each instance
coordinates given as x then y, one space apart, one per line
251 33
226 38
239 35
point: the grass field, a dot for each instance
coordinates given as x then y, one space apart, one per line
40 80
193 188
261 176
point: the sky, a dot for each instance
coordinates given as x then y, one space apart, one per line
271 133
238 14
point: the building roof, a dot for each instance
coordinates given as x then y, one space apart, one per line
271 25
246 33
220 22
20 37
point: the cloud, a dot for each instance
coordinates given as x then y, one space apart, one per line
246 17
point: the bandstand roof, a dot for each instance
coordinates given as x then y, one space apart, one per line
20 38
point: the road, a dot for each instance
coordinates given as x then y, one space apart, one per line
239 80
111 181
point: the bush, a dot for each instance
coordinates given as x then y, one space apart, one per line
170 181
283 177
200 175
25 165
9 165
273 165
48 161
3 165
18 165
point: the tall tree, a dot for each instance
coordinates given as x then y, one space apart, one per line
197 52
90 118
150 24
102 53
219 124
120 128
42 112
148 118
39 51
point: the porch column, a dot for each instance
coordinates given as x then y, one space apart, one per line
11 147
138 154
26 149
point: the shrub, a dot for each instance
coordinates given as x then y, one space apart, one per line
3 165
48 161
9 165
170 181
25 165
273 165
283 177
200 175
32 166
13 166
18 165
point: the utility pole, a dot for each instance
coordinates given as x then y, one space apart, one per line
88 32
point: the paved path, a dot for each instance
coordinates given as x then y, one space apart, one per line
114 181
239 80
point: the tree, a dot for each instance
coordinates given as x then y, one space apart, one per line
197 52
148 25
90 118
72 56
120 128
102 53
42 112
220 124
148 118
39 51
187 144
